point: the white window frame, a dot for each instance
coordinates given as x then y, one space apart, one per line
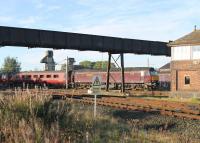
192 52
181 53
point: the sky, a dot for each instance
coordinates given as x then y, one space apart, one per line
159 20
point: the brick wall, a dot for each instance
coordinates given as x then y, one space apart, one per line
180 69
194 80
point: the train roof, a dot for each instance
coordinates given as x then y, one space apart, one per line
137 68
41 72
93 70
115 69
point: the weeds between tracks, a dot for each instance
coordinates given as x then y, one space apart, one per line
28 117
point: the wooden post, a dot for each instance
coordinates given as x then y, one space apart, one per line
177 80
108 72
66 74
122 73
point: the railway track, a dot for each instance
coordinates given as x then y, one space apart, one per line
165 108
171 108
114 92
84 91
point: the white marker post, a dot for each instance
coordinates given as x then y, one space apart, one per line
95 105
96 89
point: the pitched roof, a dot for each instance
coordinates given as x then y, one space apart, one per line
166 66
190 39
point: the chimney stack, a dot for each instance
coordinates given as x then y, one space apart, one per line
195 28
48 61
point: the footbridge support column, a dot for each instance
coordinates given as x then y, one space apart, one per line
121 67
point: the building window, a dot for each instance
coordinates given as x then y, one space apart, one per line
181 53
55 76
187 80
196 52
48 76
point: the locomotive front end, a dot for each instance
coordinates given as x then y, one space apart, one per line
154 78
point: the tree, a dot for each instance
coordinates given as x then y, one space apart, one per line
11 66
96 65
86 64
102 65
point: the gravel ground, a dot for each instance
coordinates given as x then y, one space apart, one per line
154 122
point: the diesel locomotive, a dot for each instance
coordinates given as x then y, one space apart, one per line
135 78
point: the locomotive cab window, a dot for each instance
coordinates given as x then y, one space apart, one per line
187 80
153 71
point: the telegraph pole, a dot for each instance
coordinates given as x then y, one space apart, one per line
148 62
66 74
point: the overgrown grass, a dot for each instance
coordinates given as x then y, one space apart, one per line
37 118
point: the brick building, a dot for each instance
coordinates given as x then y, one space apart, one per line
185 65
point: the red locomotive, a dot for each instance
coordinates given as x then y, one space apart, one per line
135 78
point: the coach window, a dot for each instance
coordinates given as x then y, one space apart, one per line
187 80
48 76
28 76
35 76
55 76
41 76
